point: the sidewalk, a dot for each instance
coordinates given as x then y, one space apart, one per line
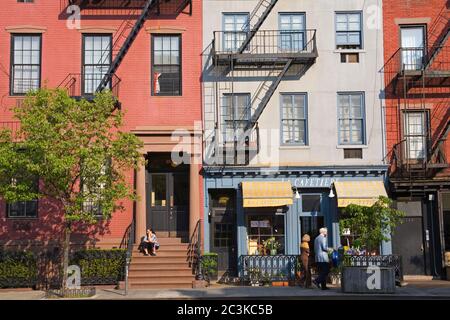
414 290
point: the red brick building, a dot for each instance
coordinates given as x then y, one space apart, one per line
151 49
417 93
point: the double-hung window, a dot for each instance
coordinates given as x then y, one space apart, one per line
294 125
292 31
25 63
415 129
351 118
413 47
235 114
96 61
24 209
349 30
235 26
166 65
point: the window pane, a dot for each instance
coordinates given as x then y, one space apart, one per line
311 203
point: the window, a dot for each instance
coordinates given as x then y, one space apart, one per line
415 134
235 26
413 47
25 63
166 66
24 209
294 118
292 31
223 235
92 189
96 61
25 1
347 57
235 114
311 203
261 227
353 154
351 118
348 30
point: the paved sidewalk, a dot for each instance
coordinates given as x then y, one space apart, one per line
414 290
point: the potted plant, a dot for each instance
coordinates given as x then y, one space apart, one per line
210 265
271 245
370 226
266 279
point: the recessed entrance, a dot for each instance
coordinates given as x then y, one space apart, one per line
167 186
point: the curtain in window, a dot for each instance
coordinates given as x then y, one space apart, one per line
235 27
412 41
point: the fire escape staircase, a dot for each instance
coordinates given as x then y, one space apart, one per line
438 35
255 21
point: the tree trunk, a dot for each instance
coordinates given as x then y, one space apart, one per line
65 261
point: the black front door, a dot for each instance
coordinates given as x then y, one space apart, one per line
407 241
223 230
168 203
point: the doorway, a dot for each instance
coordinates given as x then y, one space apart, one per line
223 229
167 197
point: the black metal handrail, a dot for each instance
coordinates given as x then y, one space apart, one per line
266 42
268 268
85 85
129 245
194 253
388 261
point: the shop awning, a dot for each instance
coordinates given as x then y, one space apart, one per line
266 193
364 193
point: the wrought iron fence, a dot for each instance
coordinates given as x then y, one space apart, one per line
268 268
388 261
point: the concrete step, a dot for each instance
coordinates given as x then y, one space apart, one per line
158 273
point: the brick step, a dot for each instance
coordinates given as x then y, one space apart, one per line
158 273
184 247
160 279
163 253
161 285
167 241
159 266
158 259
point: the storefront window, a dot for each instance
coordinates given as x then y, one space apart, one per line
446 214
261 227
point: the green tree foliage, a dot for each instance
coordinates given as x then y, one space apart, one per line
75 149
371 225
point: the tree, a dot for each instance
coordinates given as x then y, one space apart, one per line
371 225
77 152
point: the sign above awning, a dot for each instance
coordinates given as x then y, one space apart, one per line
364 193
267 193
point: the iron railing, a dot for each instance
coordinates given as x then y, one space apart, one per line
266 42
194 253
130 239
85 85
268 268
387 261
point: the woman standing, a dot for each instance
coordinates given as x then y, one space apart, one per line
304 257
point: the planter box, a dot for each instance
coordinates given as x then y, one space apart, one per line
280 283
355 280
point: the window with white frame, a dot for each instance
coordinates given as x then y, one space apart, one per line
294 118
351 118
349 30
415 134
96 60
25 63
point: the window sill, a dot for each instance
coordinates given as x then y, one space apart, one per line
289 147
352 146
22 218
349 51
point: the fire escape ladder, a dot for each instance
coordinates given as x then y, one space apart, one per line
256 19
127 44
263 95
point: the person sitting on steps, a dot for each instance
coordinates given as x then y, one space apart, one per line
150 242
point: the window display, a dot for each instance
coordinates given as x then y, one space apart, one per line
260 229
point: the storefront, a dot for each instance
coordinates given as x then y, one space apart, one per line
246 207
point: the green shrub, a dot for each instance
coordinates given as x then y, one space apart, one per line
17 269
210 264
100 266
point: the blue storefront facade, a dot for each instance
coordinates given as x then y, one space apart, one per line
232 230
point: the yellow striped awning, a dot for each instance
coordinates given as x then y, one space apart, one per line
364 193
267 193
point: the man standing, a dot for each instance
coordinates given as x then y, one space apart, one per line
322 260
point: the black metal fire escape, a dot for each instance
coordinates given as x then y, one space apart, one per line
124 37
254 50
421 74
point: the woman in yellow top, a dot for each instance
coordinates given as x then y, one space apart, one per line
304 257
